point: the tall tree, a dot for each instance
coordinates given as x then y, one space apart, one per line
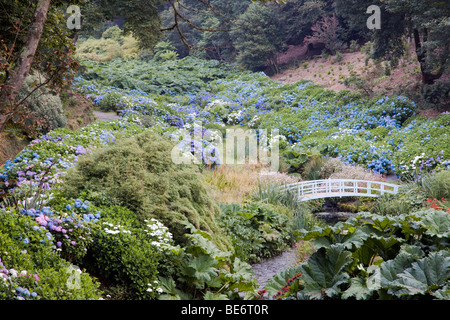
429 23
34 36
202 25
298 16
257 37
17 75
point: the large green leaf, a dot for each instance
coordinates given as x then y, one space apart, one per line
280 280
240 277
171 292
376 244
200 271
443 294
317 232
324 272
380 222
201 243
351 240
414 251
426 275
359 289
241 271
389 270
214 296
437 224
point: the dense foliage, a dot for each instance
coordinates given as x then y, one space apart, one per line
188 75
30 266
377 257
257 230
109 199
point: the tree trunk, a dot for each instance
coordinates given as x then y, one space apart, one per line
427 76
4 118
17 76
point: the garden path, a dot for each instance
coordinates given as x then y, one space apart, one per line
105 116
266 269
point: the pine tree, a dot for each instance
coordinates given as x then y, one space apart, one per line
257 38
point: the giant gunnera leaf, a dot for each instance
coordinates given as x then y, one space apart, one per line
324 272
359 289
426 275
437 223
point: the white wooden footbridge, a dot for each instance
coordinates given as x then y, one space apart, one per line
330 188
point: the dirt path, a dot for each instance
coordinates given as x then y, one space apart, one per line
266 269
105 116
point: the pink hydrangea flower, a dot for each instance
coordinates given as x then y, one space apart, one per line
41 220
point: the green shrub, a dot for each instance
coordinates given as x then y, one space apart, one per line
168 55
112 44
389 205
164 51
124 258
257 230
45 107
305 161
302 217
339 57
354 46
112 101
398 108
114 33
359 83
163 77
272 194
138 173
312 169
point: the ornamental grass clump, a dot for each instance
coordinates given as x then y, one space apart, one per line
138 173
437 185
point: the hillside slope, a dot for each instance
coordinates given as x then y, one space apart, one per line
331 72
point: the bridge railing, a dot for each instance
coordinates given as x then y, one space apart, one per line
307 190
